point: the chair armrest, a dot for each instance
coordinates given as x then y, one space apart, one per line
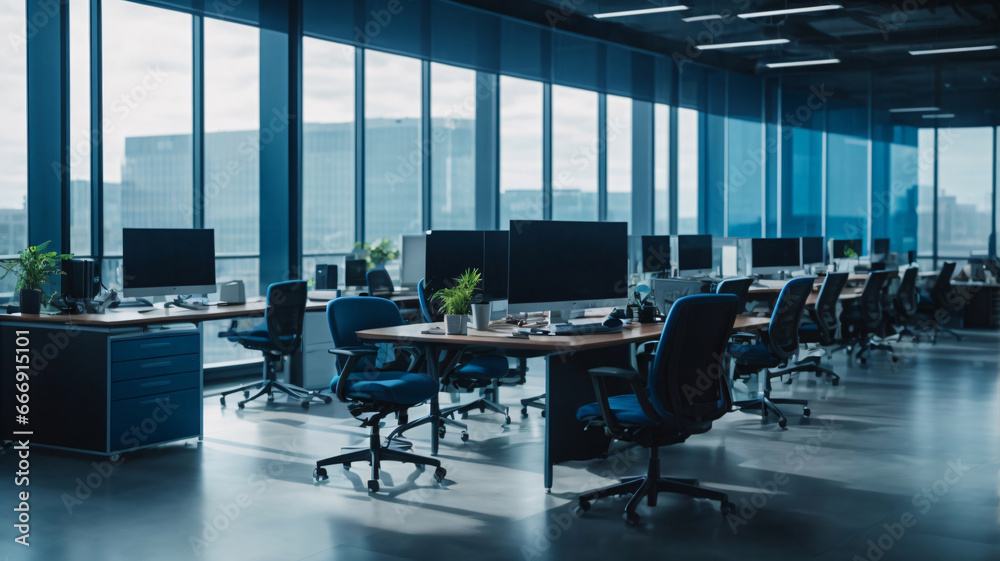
743 336
231 332
637 382
353 351
648 347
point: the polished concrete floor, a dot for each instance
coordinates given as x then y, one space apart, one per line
900 461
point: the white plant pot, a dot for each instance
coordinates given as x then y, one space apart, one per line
456 324
481 317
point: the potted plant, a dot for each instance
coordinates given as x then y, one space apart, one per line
33 267
456 302
377 253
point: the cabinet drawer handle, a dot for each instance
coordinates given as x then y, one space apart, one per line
154 400
153 345
157 364
154 384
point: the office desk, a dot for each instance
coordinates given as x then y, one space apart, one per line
567 384
982 303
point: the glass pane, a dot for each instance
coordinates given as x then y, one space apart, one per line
147 120
965 190
745 168
925 192
220 350
619 136
79 127
392 146
328 147
661 170
802 179
847 175
520 150
574 154
453 148
687 171
13 134
903 190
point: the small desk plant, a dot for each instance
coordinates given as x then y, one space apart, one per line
33 267
456 302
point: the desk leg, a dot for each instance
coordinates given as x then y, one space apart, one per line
567 388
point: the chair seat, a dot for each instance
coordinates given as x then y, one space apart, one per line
627 411
489 367
404 388
753 355
810 333
258 339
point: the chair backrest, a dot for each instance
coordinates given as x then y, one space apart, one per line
783 331
871 299
906 294
428 312
942 284
350 314
286 309
687 379
738 286
379 283
826 304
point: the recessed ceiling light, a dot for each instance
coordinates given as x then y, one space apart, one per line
742 44
939 116
913 109
622 14
701 18
954 50
803 63
791 11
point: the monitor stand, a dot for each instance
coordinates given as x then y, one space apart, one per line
181 302
563 316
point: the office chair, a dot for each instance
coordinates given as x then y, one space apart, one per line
821 326
904 304
738 286
941 303
772 350
279 336
866 320
475 370
369 389
674 396
379 283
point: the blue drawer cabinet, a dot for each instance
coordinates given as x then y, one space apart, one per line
153 347
154 385
155 418
156 366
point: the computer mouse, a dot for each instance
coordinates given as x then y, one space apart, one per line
617 313
612 322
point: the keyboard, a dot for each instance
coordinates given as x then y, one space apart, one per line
582 329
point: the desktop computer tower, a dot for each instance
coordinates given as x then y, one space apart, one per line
80 281
326 277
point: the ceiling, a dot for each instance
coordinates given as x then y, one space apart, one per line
871 39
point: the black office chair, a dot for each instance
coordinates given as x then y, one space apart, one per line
739 286
904 304
379 283
821 326
392 389
941 304
279 336
675 395
476 369
772 350
866 319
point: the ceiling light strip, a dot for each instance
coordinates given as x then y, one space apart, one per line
954 50
790 11
625 13
742 44
803 63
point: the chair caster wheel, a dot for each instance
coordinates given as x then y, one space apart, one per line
222 400
631 518
246 394
836 381
270 397
305 405
465 436
439 474
524 412
583 505
481 410
372 486
347 466
442 431
114 458
806 412
543 413
327 399
506 420
894 358
319 474
465 415
727 508
782 423
241 404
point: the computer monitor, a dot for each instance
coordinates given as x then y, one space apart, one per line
880 250
770 256
168 262
449 253
693 255
655 254
412 269
845 249
563 266
812 250
495 264
355 272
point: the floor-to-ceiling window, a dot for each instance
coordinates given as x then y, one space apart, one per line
688 193
619 149
661 170
574 154
903 192
453 148
520 150
745 165
328 146
80 131
925 192
847 174
147 73
13 134
392 146
965 190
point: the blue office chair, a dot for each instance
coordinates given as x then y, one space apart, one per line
940 303
866 319
680 395
379 283
475 370
279 336
772 350
372 390
821 326
739 286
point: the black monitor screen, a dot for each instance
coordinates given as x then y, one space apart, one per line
694 252
655 254
160 261
880 248
449 253
495 265
775 253
355 272
554 261
812 250
846 249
